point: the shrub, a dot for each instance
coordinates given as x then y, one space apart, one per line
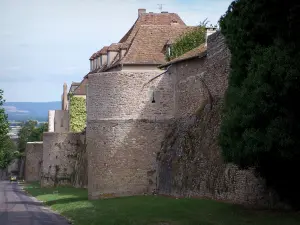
261 124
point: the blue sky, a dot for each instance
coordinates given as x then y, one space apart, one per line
44 43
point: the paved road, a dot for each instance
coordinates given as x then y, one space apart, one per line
16 208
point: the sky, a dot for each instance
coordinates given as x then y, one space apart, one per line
44 43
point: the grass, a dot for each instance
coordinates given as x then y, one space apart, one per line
152 210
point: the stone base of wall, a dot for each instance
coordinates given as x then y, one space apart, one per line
33 161
121 156
190 165
64 160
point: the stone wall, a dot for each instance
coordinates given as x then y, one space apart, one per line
121 95
33 161
58 121
189 89
125 129
195 79
122 155
64 159
190 162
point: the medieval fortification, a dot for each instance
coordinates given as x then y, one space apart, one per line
138 143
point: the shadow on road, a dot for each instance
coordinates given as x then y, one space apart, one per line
31 217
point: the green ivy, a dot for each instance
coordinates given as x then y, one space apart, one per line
77 114
187 42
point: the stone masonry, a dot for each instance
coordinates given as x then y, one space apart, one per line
190 162
34 157
124 130
61 154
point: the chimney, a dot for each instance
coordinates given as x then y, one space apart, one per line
65 97
141 11
209 31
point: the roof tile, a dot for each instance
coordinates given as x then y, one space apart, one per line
196 52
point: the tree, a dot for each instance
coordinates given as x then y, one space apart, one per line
30 132
261 124
7 147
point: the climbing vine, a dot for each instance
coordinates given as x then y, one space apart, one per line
187 42
77 113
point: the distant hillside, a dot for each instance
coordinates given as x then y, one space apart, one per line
20 111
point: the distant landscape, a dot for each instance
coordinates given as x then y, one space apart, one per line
22 111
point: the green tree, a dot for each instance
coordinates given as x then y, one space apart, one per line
4 125
261 124
7 147
30 132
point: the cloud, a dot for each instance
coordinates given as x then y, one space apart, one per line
39 49
13 109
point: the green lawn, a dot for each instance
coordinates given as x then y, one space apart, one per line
152 210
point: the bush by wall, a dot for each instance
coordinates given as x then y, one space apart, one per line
187 42
261 124
77 114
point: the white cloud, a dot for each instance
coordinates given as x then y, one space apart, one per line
52 40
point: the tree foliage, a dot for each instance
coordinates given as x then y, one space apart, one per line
261 124
77 113
30 132
7 147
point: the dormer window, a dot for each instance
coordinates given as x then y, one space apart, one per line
169 49
108 60
95 61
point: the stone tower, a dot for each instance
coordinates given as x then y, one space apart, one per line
65 97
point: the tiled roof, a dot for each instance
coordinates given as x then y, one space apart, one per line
124 45
100 52
81 90
151 19
97 54
103 51
93 56
73 86
75 83
114 47
196 52
149 43
146 40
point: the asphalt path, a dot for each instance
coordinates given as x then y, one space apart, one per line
17 208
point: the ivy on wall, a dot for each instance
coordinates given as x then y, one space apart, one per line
77 113
187 42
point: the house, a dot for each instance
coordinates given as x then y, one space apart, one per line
192 86
129 106
143 47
